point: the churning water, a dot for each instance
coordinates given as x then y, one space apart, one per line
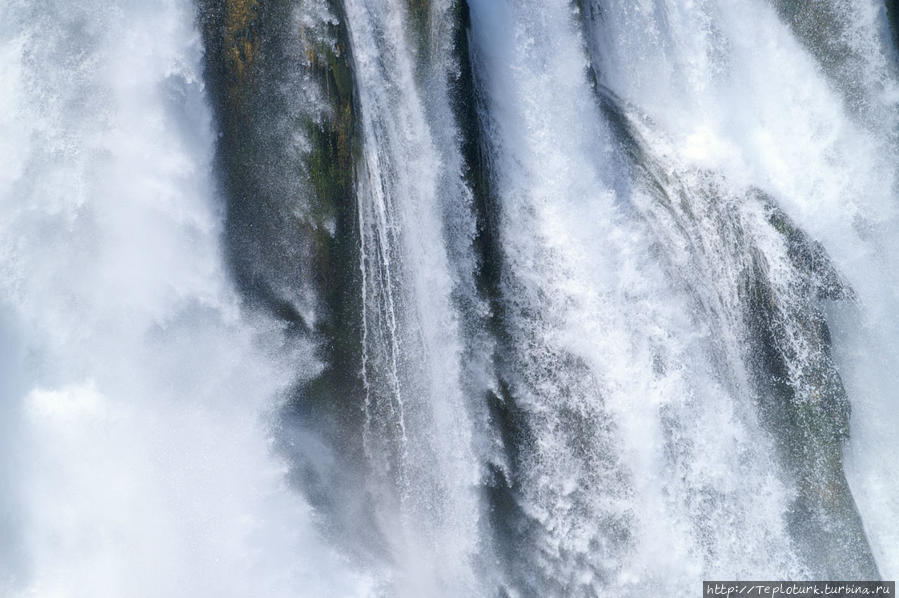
446 297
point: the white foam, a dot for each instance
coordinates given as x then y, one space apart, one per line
141 463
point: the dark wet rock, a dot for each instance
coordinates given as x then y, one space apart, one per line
282 86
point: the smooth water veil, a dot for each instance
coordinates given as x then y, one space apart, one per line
447 298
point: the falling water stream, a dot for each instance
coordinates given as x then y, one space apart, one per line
463 298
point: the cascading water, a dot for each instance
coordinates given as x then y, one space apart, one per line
446 297
411 344
137 391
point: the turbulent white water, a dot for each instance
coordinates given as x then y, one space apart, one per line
731 89
135 388
411 342
638 438
617 272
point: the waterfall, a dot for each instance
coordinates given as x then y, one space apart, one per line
137 389
446 297
411 338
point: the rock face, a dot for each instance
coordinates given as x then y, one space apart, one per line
283 93
829 29
776 308
282 88
892 9
286 149
803 400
